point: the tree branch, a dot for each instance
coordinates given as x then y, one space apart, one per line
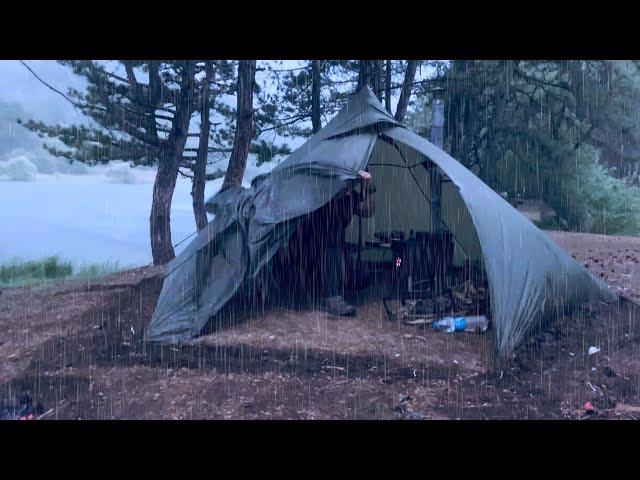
75 104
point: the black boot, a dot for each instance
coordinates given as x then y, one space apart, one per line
339 307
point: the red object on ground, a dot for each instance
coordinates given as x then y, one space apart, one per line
28 417
588 406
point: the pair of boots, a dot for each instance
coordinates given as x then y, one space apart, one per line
338 306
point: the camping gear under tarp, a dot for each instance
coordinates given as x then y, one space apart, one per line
531 279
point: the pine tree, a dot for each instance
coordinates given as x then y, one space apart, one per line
141 112
525 127
144 123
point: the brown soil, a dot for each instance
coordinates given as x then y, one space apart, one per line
76 349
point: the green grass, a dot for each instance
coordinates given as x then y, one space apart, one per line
17 272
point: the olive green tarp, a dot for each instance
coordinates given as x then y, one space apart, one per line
531 280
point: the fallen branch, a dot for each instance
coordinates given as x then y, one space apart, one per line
45 414
417 337
622 408
332 385
420 321
333 367
594 388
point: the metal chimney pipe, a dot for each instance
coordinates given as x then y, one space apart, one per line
437 117
437 138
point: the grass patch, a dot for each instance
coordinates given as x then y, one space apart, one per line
49 270
96 270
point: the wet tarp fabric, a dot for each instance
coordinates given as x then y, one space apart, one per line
531 279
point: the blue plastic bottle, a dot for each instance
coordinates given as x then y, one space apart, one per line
450 324
460 324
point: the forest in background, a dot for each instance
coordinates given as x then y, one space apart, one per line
566 132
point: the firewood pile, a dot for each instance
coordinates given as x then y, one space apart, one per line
463 299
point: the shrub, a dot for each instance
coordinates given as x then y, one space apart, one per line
19 169
590 199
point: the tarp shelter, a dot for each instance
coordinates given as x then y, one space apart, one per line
531 280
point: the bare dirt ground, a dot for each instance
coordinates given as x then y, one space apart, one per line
76 349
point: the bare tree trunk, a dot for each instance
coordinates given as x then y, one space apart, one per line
407 86
200 167
315 96
387 87
168 162
244 124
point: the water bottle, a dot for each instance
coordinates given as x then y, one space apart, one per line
450 324
462 324
476 323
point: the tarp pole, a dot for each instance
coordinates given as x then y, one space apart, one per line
437 138
358 261
436 227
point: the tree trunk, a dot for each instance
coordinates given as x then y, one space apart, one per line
364 74
315 96
407 86
387 87
200 167
161 246
244 124
376 77
169 159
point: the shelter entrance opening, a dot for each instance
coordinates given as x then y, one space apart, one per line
419 249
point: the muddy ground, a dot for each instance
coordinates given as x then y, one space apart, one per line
76 349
